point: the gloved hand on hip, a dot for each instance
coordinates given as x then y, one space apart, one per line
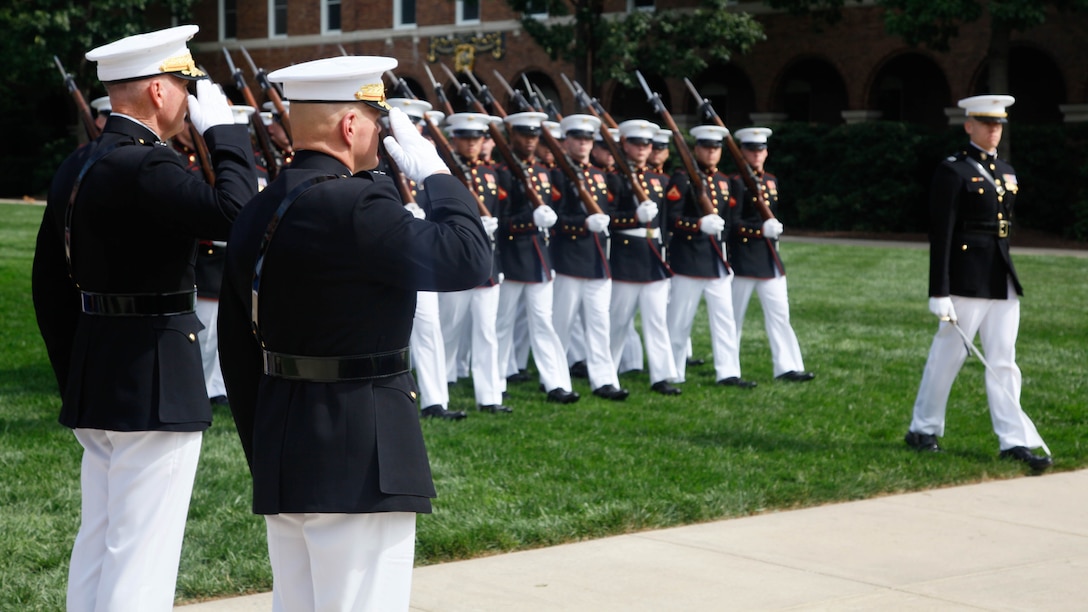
209 107
544 216
646 211
414 155
711 224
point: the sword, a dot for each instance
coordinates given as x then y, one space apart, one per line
974 349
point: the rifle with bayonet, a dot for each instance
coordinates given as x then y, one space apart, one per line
746 172
84 111
439 93
696 178
593 107
271 93
516 168
445 150
264 141
577 177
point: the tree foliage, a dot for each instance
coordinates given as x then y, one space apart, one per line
611 46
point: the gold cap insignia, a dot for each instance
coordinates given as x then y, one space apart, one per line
373 93
182 63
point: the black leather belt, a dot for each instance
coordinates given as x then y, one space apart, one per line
337 369
138 304
999 228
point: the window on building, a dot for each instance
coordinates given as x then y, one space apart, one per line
330 15
277 18
228 19
468 11
404 13
640 5
537 8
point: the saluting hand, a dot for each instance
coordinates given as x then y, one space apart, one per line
414 155
209 107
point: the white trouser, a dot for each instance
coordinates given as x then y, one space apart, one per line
547 349
473 313
576 341
652 301
208 313
785 350
631 359
429 352
589 298
341 562
684 298
519 355
997 323
136 487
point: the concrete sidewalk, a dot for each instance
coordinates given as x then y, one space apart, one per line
1018 544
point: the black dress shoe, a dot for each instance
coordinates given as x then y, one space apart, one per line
560 395
520 377
1021 453
694 363
438 412
795 376
664 388
922 442
611 392
495 408
736 381
579 370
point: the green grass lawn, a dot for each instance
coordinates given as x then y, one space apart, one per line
549 473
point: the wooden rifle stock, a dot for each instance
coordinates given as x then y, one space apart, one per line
82 109
745 171
696 178
561 159
271 93
515 165
202 154
264 141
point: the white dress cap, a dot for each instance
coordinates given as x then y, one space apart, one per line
639 129
753 135
266 118
553 129
145 55
345 78
467 125
583 125
713 133
436 117
528 122
271 107
663 136
102 104
413 108
989 107
242 113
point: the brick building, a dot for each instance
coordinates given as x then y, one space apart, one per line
851 71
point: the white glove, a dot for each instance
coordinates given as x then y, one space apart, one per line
209 107
942 307
597 223
416 211
490 225
711 224
646 211
414 155
544 216
772 228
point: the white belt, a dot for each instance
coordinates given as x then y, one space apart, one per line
649 232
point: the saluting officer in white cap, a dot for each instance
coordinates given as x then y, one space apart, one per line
526 261
639 271
697 254
113 291
973 285
468 317
753 253
315 318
